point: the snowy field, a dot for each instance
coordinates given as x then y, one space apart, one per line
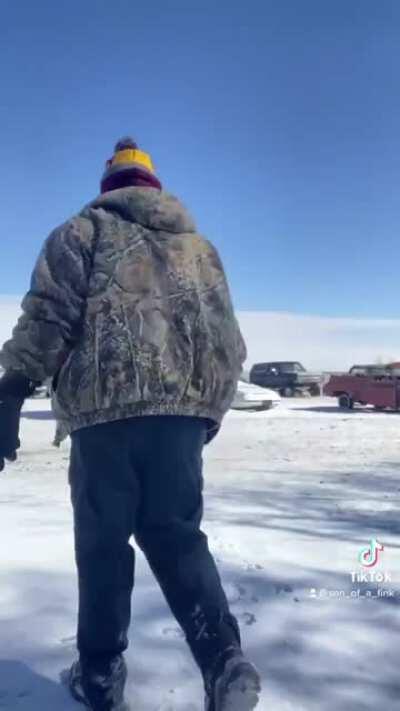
292 496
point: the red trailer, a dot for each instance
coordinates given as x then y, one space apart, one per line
382 390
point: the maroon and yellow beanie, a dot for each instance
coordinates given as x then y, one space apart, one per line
129 167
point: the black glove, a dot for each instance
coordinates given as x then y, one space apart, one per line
10 410
14 388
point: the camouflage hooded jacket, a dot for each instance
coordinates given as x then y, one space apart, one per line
129 311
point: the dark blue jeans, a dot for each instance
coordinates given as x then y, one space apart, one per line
142 477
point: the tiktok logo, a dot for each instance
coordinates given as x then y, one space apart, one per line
369 556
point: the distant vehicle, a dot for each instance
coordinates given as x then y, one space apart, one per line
366 385
43 390
251 397
372 370
287 377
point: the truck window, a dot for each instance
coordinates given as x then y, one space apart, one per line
260 369
357 371
292 368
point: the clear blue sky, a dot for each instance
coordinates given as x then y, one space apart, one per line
276 121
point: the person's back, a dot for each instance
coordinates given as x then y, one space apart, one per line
129 311
159 335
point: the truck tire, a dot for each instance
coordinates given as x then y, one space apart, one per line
287 392
345 402
315 391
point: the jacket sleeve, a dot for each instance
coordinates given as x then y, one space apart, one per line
53 308
219 298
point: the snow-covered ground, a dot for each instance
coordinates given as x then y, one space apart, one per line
292 496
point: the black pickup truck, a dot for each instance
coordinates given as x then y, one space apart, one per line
287 377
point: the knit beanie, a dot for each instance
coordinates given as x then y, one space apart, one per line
129 167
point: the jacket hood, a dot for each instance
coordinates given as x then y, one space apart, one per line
148 207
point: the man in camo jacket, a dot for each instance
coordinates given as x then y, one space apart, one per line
129 312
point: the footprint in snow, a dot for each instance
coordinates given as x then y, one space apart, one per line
69 642
166 706
238 593
283 588
253 566
248 618
242 591
172 632
5 697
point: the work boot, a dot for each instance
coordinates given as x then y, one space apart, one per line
231 682
99 683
